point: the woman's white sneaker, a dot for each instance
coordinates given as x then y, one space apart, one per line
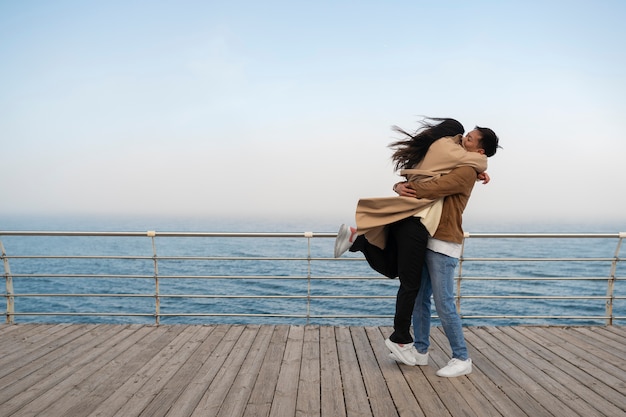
401 352
456 367
345 239
420 358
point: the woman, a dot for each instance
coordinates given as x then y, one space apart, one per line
392 232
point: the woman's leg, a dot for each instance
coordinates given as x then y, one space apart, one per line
421 312
410 238
383 261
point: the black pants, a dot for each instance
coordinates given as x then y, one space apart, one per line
403 257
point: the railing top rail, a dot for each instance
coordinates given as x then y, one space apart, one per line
546 235
153 233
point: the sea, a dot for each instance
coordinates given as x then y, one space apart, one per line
493 293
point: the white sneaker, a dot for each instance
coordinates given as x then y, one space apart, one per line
402 352
345 239
456 367
421 359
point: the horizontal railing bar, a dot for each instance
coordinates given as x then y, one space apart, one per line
291 259
82 314
281 258
289 234
538 297
151 233
545 235
298 277
538 317
318 297
536 278
540 259
208 296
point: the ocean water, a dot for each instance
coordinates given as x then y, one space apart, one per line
349 277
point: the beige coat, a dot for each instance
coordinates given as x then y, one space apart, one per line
373 214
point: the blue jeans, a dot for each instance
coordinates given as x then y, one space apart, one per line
438 281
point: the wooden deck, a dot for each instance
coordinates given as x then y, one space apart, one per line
249 370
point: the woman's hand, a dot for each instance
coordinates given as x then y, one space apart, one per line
484 177
403 189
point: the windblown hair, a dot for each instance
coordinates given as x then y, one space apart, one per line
412 150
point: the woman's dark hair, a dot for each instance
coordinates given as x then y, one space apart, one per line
411 151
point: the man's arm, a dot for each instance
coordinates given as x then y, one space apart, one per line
455 182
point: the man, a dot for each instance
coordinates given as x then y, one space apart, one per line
443 251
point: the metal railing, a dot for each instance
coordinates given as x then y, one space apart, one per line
85 276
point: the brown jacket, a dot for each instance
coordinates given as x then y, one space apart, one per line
456 187
445 154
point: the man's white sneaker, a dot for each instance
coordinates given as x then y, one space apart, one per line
421 359
345 239
456 367
402 352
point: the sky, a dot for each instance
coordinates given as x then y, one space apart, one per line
284 109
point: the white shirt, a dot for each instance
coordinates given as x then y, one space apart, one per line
450 249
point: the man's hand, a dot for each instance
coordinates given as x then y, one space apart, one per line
484 177
403 189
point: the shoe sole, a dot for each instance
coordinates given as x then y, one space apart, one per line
418 363
466 372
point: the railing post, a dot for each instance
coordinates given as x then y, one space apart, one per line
9 286
157 298
308 236
610 290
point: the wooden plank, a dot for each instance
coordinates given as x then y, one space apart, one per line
529 377
126 358
498 370
308 401
403 398
492 392
53 338
13 333
378 395
353 386
146 383
162 402
284 403
331 390
130 389
617 341
154 377
546 374
224 338
614 348
418 379
617 330
580 384
37 390
475 398
588 356
18 379
260 401
214 396
591 376
446 388
235 402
